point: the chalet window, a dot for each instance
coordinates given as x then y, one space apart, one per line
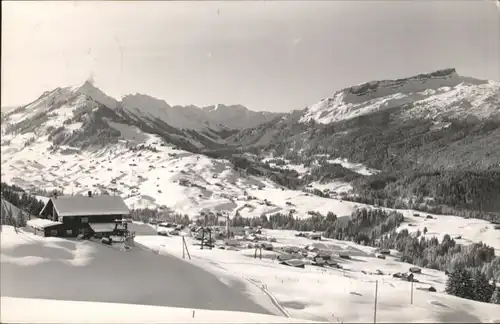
53 233
85 219
69 232
60 219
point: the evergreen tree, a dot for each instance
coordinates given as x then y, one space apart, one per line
451 287
460 284
481 287
495 298
465 286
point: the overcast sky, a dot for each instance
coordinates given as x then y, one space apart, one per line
266 55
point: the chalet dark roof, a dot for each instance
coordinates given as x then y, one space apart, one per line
86 206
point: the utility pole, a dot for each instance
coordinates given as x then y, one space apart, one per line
228 230
375 306
411 297
210 238
202 237
156 226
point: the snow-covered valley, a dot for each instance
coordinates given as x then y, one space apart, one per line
160 176
343 295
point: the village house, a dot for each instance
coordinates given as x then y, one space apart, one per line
314 236
70 216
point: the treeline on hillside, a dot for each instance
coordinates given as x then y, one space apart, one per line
145 215
19 198
291 178
363 226
472 285
387 143
473 194
46 193
446 255
284 177
328 172
316 222
464 193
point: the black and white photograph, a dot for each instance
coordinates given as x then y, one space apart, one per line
250 161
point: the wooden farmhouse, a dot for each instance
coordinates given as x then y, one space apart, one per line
70 216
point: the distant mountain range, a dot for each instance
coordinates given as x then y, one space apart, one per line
434 122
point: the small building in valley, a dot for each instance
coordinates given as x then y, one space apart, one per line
70 216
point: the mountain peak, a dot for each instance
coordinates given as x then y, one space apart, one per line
435 93
89 89
416 83
221 108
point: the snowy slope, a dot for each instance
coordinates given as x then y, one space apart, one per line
184 182
337 295
129 276
42 311
46 145
6 109
434 95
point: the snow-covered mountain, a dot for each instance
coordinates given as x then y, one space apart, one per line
85 115
238 116
190 117
438 120
219 117
433 95
76 138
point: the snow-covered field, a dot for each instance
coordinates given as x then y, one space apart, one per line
63 311
67 269
186 183
312 293
463 230
302 169
337 295
333 187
